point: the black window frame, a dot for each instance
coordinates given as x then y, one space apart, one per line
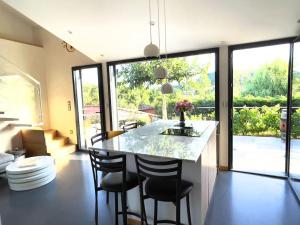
231 49
101 98
171 55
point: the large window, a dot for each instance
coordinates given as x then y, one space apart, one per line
264 108
260 89
88 93
136 93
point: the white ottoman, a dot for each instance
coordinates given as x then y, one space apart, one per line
30 173
5 160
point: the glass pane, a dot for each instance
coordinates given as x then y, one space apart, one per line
88 104
260 81
20 95
295 115
139 96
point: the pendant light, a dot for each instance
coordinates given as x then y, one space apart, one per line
166 88
160 72
151 50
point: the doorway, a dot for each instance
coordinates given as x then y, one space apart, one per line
263 108
89 103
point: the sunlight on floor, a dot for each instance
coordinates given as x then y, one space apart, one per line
264 154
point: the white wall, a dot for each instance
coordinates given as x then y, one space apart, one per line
106 96
16 27
30 60
223 90
15 30
58 66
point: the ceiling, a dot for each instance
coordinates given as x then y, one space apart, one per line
108 30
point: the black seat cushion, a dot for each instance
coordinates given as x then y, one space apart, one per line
113 181
165 189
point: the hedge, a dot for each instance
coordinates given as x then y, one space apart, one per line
252 101
263 121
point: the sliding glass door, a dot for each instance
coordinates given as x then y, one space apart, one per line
259 108
264 112
295 115
136 94
88 94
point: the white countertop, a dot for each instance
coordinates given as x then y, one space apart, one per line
147 140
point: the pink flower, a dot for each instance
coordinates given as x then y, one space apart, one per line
183 106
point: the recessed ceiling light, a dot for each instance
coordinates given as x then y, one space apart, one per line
70 32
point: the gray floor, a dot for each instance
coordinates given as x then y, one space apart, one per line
239 199
69 199
244 199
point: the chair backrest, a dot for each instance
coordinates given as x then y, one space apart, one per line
107 164
130 126
98 137
164 170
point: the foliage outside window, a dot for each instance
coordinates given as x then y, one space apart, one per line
260 93
139 96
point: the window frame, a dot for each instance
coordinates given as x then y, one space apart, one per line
231 49
101 98
163 56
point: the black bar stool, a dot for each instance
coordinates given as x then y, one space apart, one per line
117 180
164 184
130 126
94 139
98 137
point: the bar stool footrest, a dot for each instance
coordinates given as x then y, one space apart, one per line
168 221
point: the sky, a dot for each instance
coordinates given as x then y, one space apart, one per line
252 58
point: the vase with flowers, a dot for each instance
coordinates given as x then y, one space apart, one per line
182 107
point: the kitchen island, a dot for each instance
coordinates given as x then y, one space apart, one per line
164 140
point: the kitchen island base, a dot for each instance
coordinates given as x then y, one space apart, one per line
202 174
199 163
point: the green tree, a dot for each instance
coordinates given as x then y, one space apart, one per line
137 83
270 79
90 94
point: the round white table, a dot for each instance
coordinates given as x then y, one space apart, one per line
30 173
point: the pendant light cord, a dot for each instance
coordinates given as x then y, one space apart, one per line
150 22
158 26
165 18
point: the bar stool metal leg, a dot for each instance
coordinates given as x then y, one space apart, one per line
178 212
116 208
107 197
124 208
188 209
96 207
145 215
155 212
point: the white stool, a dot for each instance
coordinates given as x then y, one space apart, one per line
30 173
5 160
